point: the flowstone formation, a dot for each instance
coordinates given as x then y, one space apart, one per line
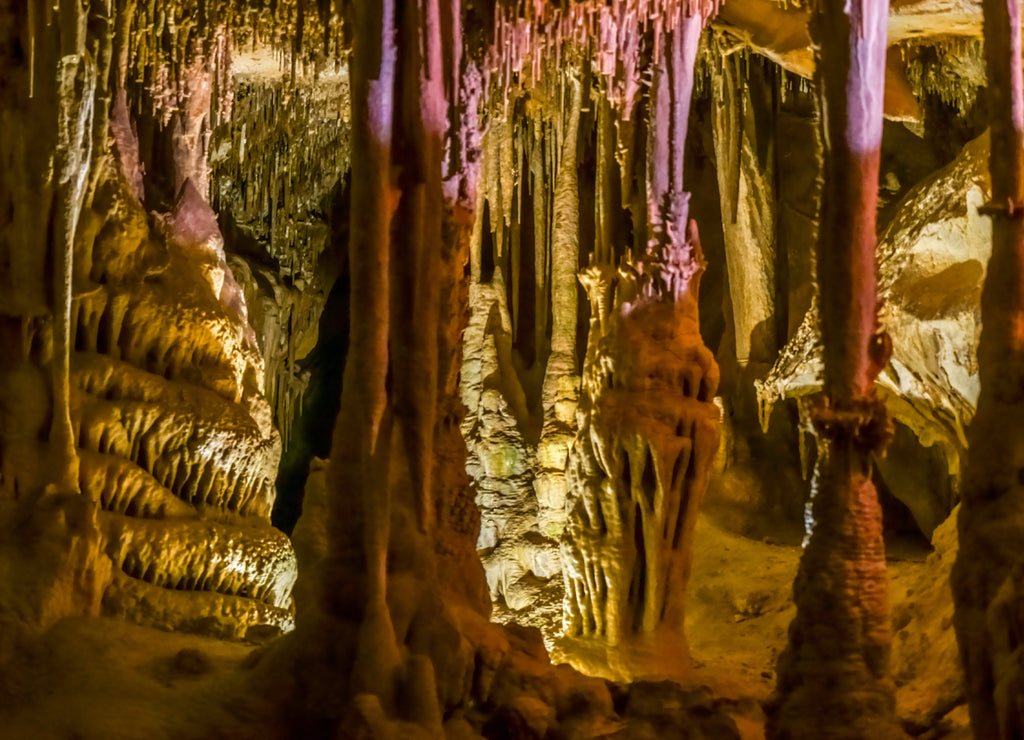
521 562
521 377
568 180
649 428
173 436
138 454
638 473
174 427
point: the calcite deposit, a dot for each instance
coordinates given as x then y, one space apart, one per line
638 471
173 436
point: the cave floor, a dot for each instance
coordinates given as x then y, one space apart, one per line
95 677
740 608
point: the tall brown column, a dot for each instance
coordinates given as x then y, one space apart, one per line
360 447
990 521
396 466
833 678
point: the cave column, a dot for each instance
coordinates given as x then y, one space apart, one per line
560 389
51 123
833 678
416 247
988 573
358 472
397 489
667 200
641 462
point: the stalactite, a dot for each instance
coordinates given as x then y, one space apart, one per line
604 249
841 630
542 248
952 69
300 21
272 173
508 178
510 341
514 276
76 90
747 206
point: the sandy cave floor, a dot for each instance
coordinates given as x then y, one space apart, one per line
93 677
122 681
741 605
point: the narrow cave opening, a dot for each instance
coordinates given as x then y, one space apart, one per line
916 489
904 538
487 260
316 416
529 283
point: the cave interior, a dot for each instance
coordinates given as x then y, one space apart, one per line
511 369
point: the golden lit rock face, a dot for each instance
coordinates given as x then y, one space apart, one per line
931 265
522 565
175 447
168 394
520 379
638 472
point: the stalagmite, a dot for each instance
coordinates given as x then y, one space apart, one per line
833 679
987 576
637 474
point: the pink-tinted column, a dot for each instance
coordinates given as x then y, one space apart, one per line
833 678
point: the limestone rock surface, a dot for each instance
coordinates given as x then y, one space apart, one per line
932 258
176 451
